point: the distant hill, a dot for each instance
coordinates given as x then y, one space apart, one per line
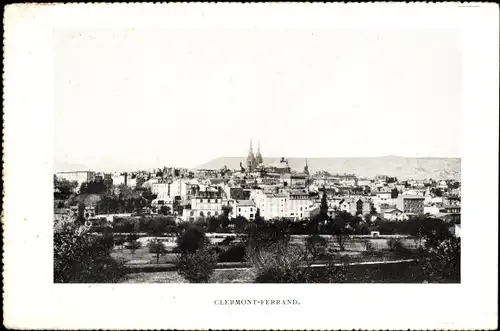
395 166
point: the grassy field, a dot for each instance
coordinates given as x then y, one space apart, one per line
406 272
355 250
219 276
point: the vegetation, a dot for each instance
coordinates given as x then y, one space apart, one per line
80 257
197 267
155 246
196 261
343 226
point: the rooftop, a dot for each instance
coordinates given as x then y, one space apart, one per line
245 203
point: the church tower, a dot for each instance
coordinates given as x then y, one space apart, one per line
250 158
306 169
258 157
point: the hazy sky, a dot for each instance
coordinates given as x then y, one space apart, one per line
128 99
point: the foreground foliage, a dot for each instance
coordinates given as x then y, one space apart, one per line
81 257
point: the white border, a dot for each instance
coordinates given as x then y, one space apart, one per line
32 301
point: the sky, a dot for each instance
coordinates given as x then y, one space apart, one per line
133 99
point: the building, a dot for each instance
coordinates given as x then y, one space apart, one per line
251 161
284 203
119 179
294 180
412 204
431 210
244 208
347 180
360 207
258 156
77 176
205 203
393 214
161 189
344 205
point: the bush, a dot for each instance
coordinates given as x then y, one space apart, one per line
368 246
316 246
395 245
80 257
132 243
156 247
279 263
197 267
442 262
227 240
233 254
191 240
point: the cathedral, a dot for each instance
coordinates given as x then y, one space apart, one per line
254 161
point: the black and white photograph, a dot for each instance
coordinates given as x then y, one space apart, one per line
274 156
192 153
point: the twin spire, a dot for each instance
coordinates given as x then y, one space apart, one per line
253 161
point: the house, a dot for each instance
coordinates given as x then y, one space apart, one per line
443 185
347 180
413 204
282 203
382 198
205 203
360 206
62 214
311 212
76 176
344 205
431 209
392 214
244 208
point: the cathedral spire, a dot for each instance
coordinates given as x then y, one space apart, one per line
250 158
258 157
306 168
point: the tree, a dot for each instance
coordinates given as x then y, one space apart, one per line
213 224
240 223
226 210
81 257
191 240
155 246
394 193
258 219
132 243
437 192
64 188
342 227
165 210
197 267
315 247
441 263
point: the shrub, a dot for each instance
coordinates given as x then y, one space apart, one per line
191 240
80 257
196 267
315 246
395 245
279 263
442 262
156 247
227 240
368 246
233 254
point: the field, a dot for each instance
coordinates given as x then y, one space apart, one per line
354 248
403 272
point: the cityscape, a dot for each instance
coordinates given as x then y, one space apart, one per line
257 156
231 225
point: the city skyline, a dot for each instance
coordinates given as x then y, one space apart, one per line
192 96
